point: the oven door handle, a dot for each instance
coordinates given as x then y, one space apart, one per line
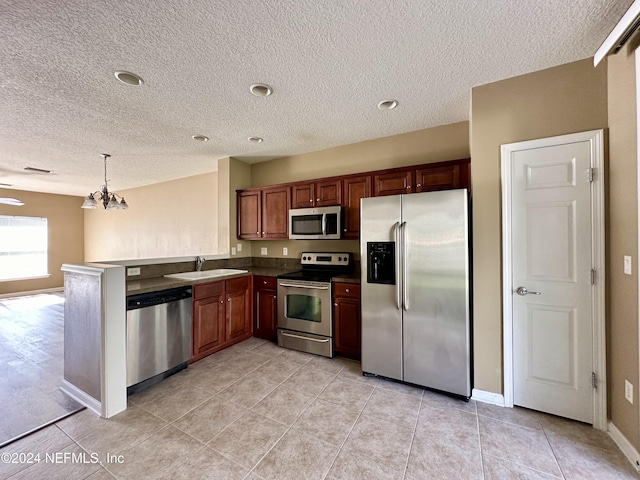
303 286
304 338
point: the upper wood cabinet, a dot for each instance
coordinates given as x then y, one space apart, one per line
316 194
392 182
354 188
263 213
444 177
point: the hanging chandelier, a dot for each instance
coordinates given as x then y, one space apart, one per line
108 198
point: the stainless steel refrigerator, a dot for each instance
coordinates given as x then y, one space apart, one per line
416 324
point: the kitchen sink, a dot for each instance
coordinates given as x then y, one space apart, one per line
217 273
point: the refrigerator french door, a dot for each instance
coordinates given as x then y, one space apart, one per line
415 289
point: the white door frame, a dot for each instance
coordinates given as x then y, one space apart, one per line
596 138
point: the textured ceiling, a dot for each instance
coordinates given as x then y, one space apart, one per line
329 63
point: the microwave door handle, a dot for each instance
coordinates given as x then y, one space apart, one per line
324 224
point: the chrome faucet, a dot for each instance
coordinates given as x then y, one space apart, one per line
199 263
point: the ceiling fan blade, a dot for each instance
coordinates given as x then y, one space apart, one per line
11 201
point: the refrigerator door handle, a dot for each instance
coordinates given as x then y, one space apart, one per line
396 238
405 286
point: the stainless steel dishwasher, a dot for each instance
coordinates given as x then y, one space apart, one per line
158 336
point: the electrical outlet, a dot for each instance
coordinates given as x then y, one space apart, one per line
628 391
627 264
239 247
263 250
133 271
285 251
233 250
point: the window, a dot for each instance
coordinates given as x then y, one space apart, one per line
23 247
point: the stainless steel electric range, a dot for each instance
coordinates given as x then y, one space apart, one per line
305 319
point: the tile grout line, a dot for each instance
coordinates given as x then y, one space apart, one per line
555 457
350 430
480 441
413 436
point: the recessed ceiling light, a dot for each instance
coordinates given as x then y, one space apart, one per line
37 170
388 104
200 138
129 78
261 90
255 139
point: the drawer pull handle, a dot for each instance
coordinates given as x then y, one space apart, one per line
305 338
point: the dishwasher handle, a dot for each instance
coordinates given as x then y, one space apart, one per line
151 299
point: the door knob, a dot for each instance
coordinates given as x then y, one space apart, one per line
523 291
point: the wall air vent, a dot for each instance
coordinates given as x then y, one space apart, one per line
37 170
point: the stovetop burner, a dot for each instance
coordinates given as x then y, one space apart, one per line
321 267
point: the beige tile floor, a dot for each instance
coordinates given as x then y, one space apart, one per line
255 411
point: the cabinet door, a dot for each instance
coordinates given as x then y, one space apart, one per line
328 193
249 214
302 196
238 309
392 183
208 324
347 326
276 202
438 178
265 314
354 189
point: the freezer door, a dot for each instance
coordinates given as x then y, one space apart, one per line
436 291
381 315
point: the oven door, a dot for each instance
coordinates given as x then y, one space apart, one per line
305 306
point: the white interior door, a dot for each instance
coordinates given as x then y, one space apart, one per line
551 278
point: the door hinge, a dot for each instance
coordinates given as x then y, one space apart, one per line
593 277
590 174
594 380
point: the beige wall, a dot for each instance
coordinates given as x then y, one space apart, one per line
169 219
65 221
447 142
233 175
622 240
565 99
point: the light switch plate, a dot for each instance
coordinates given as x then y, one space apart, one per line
263 250
133 271
239 247
285 251
628 391
233 250
627 264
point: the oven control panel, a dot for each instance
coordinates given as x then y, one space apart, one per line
326 258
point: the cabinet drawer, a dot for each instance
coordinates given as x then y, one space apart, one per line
264 283
351 290
235 284
204 290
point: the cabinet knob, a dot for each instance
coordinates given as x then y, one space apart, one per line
257 233
419 185
345 230
317 199
346 290
311 200
263 233
228 299
221 301
408 187
264 281
335 304
274 296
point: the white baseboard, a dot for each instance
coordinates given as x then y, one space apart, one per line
81 397
487 397
32 292
629 450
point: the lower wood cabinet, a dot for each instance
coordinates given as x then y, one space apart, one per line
347 320
265 308
221 315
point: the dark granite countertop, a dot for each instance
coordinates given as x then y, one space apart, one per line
147 285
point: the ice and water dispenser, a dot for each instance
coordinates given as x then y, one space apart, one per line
381 262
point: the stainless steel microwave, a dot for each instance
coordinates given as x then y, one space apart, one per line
322 223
